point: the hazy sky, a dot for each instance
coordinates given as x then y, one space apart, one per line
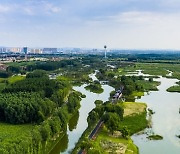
140 24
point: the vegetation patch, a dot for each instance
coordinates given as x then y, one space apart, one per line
8 131
138 93
15 78
95 88
151 111
148 85
115 144
134 117
135 123
178 136
155 137
174 89
2 86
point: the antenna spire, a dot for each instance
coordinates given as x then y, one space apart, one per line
105 51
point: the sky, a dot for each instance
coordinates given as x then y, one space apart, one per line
122 24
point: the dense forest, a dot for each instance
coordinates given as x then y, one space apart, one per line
39 101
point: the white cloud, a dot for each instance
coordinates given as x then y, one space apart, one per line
51 8
41 8
4 8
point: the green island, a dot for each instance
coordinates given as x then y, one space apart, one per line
174 88
94 87
155 137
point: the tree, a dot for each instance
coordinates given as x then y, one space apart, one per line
93 117
13 69
111 121
150 79
124 132
98 102
45 131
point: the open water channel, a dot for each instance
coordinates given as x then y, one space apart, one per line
78 123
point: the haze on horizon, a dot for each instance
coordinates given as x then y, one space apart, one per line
129 24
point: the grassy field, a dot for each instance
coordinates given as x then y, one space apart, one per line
127 70
148 86
134 117
8 131
132 108
15 78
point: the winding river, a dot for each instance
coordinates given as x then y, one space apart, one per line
78 123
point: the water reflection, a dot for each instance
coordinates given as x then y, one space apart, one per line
61 146
73 121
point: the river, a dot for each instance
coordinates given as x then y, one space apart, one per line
165 121
78 123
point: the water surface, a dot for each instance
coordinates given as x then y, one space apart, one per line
165 121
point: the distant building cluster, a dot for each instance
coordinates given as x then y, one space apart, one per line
26 50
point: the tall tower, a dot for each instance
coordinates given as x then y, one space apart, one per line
105 51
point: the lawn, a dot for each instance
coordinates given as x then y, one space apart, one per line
10 132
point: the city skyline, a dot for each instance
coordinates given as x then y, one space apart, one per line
130 24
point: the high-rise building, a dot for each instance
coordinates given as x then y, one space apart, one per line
25 50
3 50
